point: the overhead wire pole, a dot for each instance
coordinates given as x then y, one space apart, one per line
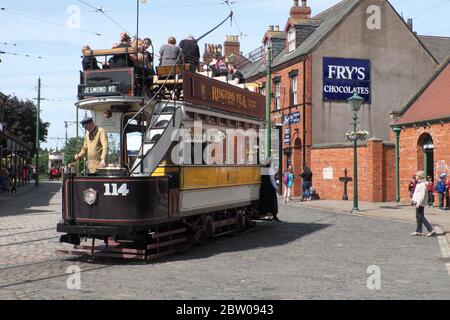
36 181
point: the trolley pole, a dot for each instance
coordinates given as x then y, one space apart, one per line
38 111
268 101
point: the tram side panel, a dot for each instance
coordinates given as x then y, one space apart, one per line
110 206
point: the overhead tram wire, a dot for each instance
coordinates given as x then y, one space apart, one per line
101 10
227 2
49 22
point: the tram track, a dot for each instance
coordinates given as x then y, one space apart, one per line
26 232
44 270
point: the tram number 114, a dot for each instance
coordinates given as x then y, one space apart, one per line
112 190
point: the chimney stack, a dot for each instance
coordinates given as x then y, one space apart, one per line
231 46
410 24
277 28
271 28
303 12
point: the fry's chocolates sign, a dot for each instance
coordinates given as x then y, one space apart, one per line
342 77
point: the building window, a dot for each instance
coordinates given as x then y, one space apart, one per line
291 39
277 95
294 90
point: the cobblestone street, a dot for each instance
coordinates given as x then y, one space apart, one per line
313 254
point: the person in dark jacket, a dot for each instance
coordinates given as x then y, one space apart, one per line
122 60
190 52
306 175
268 201
441 188
89 63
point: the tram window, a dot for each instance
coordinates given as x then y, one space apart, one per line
233 123
114 149
132 138
241 125
213 120
223 122
133 144
203 117
190 115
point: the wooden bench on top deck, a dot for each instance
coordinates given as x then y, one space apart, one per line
108 52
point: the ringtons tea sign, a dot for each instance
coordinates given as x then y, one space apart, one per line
342 77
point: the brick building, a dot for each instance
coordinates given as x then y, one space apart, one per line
423 128
318 61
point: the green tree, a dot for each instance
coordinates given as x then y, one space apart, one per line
43 162
20 119
71 149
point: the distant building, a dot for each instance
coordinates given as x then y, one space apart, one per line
423 128
318 61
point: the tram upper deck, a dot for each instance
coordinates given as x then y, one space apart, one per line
115 86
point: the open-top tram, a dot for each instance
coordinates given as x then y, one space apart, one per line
183 165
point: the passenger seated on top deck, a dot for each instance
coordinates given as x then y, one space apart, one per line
218 66
144 65
191 52
236 76
169 53
89 63
122 60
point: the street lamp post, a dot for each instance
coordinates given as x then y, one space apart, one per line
355 103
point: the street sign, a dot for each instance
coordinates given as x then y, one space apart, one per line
287 135
292 118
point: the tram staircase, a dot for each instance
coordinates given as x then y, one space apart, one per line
166 119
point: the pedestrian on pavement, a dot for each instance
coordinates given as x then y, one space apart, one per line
307 180
288 182
95 146
447 195
268 193
412 187
430 188
441 188
420 198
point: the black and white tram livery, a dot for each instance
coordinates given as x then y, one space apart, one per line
183 164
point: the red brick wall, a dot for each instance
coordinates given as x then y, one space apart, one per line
411 156
296 129
376 172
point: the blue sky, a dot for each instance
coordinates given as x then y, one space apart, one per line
39 29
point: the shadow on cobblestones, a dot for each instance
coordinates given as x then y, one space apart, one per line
267 234
30 202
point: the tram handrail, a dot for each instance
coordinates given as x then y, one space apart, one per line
142 110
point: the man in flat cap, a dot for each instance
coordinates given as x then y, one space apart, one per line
95 146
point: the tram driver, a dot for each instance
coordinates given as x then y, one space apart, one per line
95 146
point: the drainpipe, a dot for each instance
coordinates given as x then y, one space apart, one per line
397 131
268 101
304 113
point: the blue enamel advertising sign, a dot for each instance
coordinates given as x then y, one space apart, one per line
342 77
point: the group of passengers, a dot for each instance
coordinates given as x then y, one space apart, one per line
186 52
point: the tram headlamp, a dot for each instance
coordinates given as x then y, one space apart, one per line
90 196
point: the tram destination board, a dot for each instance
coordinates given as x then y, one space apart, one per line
91 90
219 95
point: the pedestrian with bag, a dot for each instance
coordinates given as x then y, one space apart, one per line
430 188
420 198
288 182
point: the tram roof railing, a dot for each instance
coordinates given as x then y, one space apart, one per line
108 52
